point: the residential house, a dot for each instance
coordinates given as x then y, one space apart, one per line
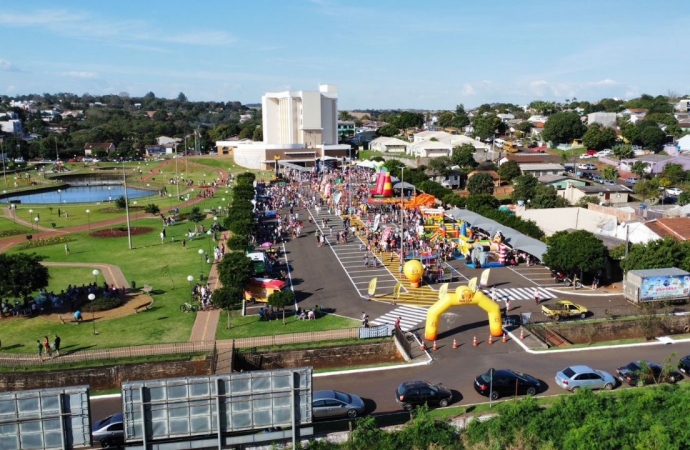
163 140
430 149
492 173
560 181
539 170
13 126
455 140
245 117
684 143
635 114
683 105
676 227
655 163
531 158
617 194
388 145
365 136
90 148
346 129
505 117
685 126
537 119
452 180
605 119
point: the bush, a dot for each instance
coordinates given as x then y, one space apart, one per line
103 304
237 242
48 241
527 227
434 188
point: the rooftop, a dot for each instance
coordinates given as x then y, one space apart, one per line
676 227
602 188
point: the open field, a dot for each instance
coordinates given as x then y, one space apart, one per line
251 326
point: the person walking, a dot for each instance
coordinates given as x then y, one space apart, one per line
40 349
46 344
398 323
507 305
56 344
536 296
66 249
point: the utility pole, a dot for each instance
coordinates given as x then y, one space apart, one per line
129 228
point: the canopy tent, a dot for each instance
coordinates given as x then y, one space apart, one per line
289 165
403 185
369 164
513 238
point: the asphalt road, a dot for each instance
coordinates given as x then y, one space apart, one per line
319 279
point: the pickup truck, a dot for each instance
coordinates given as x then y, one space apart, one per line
564 309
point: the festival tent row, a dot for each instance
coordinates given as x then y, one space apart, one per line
513 238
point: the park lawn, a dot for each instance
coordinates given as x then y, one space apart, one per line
10 225
251 326
76 276
224 163
164 267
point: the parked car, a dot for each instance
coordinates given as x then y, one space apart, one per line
587 166
564 309
586 156
591 153
109 432
574 378
414 393
605 152
597 178
332 404
506 382
609 183
639 373
631 180
674 191
684 365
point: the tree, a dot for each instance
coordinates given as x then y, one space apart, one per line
196 216
577 251
480 183
563 127
228 298
647 188
22 274
258 134
235 269
657 255
440 165
587 199
281 299
684 198
525 127
388 130
485 126
460 119
408 119
477 202
623 151
639 168
674 173
152 208
524 187
547 197
463 156
653 138
609 173
445 119
120 202
181 97
509 170
599 138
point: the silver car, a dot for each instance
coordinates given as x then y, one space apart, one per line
575 377
333 404
109 432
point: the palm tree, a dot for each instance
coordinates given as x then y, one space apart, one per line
639 169
623 151
609 173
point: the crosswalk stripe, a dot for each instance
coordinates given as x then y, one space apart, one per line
512 294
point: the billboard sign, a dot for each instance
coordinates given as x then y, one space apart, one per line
45 419
665 287
197 406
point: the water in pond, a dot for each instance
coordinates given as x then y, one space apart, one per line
79 194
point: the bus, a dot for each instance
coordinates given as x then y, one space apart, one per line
510 147
260 261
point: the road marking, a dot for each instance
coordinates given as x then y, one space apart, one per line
410 317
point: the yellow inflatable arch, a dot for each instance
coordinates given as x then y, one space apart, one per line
463 296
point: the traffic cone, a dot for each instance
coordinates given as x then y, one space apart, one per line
434 348
474 342
423 347
455 343
504 338
522 333
490 340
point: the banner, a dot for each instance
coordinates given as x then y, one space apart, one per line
372 287
484 280
396 290
336 197
377 220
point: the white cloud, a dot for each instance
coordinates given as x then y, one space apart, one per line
605 82
468 89
78 74
120 32
7 66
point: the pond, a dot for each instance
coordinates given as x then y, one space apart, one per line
79 194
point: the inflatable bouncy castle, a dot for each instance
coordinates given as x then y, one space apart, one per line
384 185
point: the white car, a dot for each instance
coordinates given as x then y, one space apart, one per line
604 153
586 166
674 191
586 156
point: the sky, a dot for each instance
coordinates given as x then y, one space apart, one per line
382 54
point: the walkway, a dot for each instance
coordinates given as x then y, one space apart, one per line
206 322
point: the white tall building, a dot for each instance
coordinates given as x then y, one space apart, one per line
301 117
299 127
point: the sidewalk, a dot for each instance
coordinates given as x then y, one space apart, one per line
206 322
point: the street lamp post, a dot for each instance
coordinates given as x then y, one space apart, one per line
60 195
201 264
92 297
402 211
129 228
38 232
95 275
88 218
31 214
135 210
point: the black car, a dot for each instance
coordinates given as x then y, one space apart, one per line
684 365
414 393
506 382
639 373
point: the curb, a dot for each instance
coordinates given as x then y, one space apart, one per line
583 294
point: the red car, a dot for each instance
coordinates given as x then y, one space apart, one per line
592 152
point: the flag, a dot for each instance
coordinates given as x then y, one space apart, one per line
396 290
473 284
443 290
484 280
372 287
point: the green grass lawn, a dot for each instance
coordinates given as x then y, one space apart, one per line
76 276
250 326
7 225
165 267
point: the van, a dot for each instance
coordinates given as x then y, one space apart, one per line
259 289
260 261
